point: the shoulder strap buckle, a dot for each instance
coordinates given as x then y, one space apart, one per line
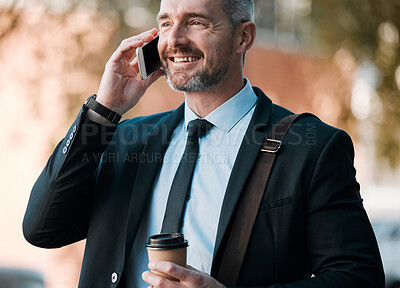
273 148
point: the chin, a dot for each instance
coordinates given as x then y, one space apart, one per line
181 87
178 82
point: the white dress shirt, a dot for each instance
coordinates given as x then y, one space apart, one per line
217 154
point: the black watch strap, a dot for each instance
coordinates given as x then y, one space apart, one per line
92 104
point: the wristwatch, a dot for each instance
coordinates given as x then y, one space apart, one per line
112 116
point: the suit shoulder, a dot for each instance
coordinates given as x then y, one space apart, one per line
309 127
139 127
148 119
280 112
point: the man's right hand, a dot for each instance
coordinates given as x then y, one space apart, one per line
120 89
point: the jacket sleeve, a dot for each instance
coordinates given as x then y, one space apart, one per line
59 205
341 246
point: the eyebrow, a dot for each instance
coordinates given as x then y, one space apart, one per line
162 16
188 15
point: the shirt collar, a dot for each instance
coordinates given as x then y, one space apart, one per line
229 113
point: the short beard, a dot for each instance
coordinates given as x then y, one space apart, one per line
206 78
201 81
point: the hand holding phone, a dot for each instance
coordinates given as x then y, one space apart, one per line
120 89
148 58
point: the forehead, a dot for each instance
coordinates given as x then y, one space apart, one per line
211 8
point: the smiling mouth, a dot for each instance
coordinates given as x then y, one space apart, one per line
184 59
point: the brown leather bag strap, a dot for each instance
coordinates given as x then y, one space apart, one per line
250 200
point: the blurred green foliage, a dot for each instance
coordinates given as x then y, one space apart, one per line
369 29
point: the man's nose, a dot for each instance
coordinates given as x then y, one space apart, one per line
178 36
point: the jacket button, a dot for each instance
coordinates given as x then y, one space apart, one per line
114 277
65 150
74 129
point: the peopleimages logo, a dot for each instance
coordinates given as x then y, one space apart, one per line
125 134
138 134
299 134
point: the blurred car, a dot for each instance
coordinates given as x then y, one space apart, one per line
19 278
388 236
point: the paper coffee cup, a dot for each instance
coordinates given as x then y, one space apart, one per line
167 247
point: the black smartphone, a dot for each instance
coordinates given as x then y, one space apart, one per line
149 60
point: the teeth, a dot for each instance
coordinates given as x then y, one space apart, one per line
186 59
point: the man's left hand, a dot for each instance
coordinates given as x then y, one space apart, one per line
188 276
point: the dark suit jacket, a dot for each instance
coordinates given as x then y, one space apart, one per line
311 219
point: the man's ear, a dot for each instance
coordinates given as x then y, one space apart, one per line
246 36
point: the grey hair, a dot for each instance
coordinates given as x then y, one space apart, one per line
238 11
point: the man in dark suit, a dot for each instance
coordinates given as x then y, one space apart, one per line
311 229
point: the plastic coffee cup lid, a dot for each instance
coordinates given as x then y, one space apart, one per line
166 241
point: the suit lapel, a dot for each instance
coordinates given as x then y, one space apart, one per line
246 157
152 157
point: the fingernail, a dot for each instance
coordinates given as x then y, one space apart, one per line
151 265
